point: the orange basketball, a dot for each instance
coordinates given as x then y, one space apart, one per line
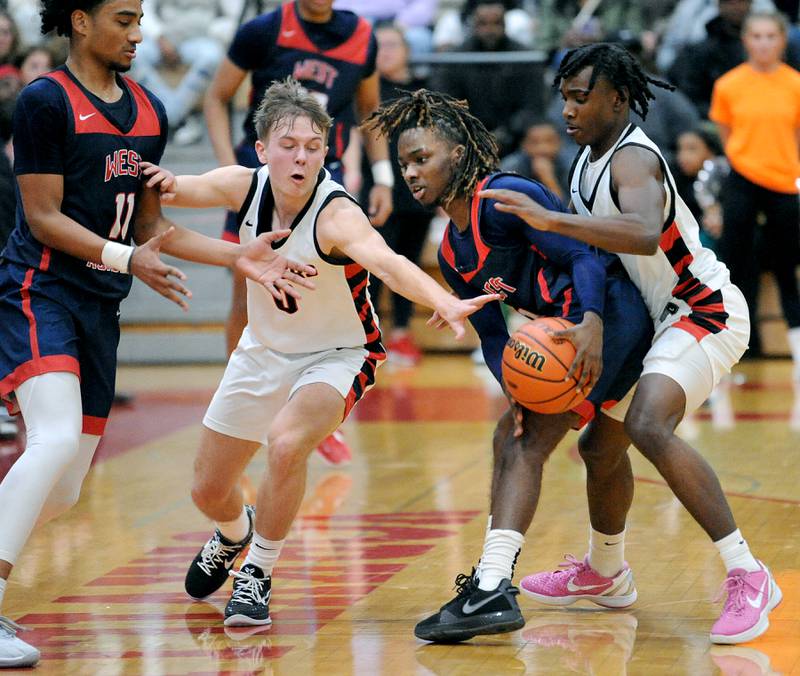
534 368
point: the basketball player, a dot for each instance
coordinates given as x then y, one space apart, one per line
80 135
626 201
447 157
332 53
297 372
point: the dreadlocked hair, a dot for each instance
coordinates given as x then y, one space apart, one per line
618 66
57 14
449 118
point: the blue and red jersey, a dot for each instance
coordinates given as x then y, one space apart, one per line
62 128
330 59
538 273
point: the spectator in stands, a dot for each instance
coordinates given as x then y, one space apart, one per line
686 25
539 157
9 38
453 26
407 227
33 62
500 95
413 17
699 170
190 33
568 23
757 108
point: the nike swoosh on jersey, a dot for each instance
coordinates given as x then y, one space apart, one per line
571 586
287 34
86 117
468 608
756 602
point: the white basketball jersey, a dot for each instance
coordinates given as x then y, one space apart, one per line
682 280
338 312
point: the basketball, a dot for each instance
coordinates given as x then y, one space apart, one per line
534 367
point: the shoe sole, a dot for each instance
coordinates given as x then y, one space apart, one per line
245 621
457 635
757 629
604 601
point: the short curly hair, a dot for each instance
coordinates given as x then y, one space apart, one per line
57 14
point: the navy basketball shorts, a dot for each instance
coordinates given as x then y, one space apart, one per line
246 156
627 336
49 325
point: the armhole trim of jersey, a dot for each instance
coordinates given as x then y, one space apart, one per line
247 200
615 196
331 196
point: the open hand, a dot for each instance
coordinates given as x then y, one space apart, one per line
146 265
519 204
457 310
261 263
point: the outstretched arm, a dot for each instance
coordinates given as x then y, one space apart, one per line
344 231
224 187
637 176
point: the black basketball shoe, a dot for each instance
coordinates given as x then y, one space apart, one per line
473 612
213 562
249 602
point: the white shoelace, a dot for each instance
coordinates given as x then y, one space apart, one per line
214 553
248 591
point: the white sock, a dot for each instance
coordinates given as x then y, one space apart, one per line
3 584
499 556
485 537
735 553
793 335
264 553
236 530
606 552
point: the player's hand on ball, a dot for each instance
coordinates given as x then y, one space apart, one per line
146 265
261 263
519 204
587 337
163 178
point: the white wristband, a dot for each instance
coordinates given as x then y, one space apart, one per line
382 173
117 256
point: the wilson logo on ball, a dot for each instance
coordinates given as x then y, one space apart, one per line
524 353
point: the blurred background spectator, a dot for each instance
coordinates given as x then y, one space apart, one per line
407 227
34 62
539 156
9 38
500 95
453 27
700 169
757 108
413 17
184 33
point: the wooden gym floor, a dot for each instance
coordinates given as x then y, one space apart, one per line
381 541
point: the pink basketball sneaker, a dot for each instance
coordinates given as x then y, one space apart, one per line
576 581
751 596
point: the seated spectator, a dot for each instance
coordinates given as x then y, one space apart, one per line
9 38
452 27
34 62
564 24
538 157
500 95
413 17
184 32
700 169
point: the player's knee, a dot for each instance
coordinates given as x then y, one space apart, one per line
208 494
648 436
60 447
285 453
